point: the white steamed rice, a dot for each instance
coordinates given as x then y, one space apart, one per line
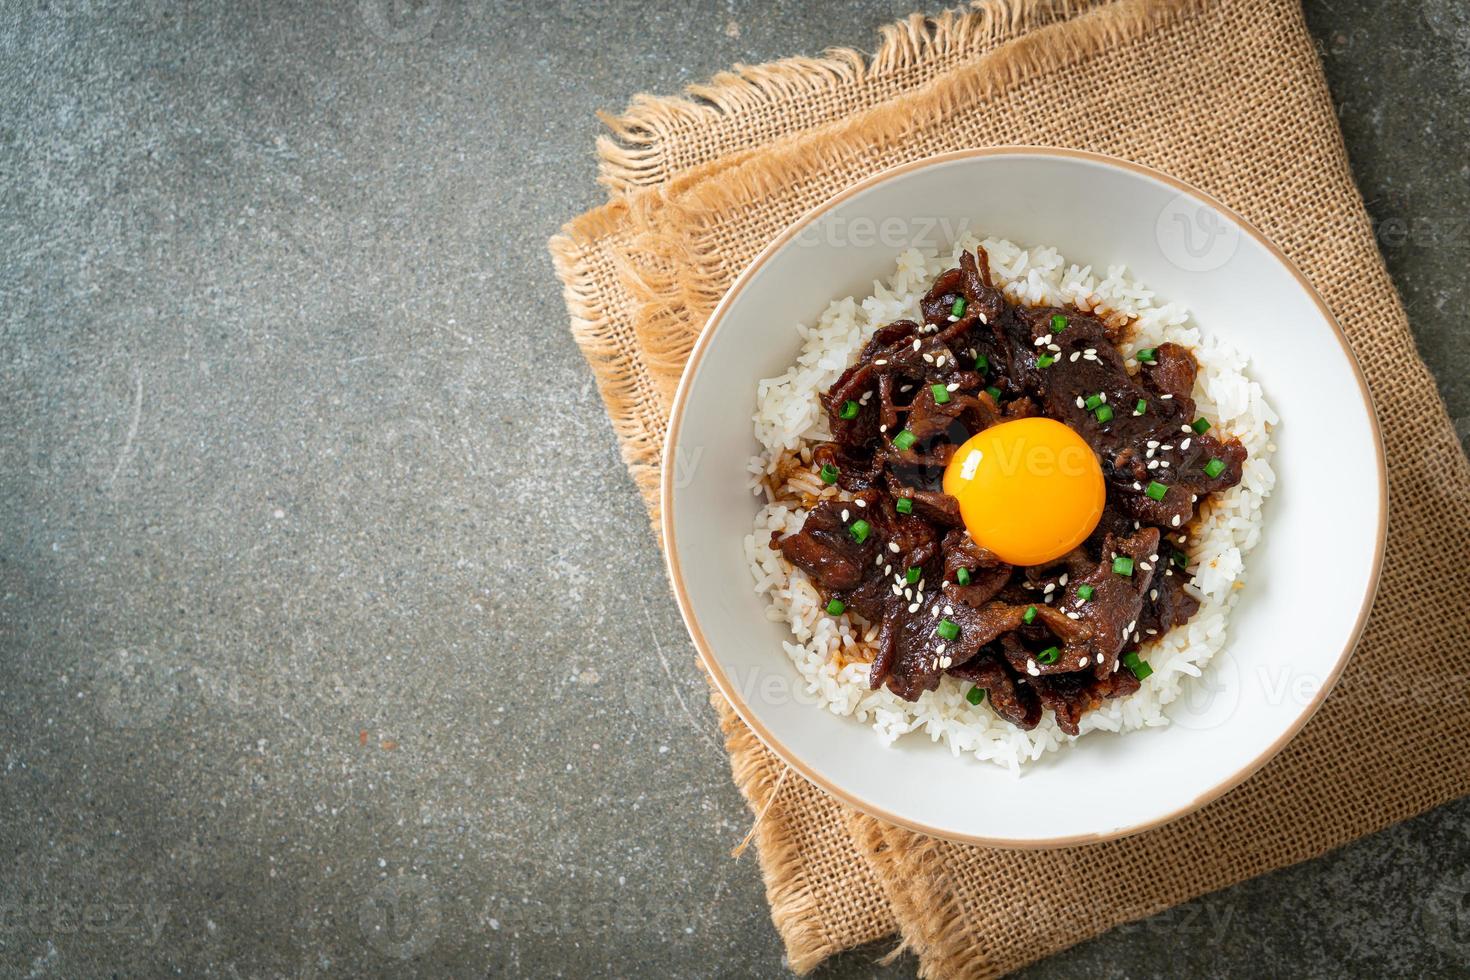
832 653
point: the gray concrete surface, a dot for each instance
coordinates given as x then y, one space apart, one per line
332 640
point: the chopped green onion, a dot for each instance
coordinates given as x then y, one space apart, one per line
982 363
905 505
829 473
1104 413
905 439
1179 558
1214 468
1058 323
1093 401
836 607
993 392
859 531
1156 490
1138 667
940 393
1200 425
949 629
1048 656
958 309
962 576
1140 406
1029 616
1045 361
975 695
1148 355
1085 592
850 409
1123 565
912 575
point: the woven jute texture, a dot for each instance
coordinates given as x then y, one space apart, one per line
1226 94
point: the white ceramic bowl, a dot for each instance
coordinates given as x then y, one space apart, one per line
1311 580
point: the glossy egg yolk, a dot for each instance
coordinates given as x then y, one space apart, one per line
1029 490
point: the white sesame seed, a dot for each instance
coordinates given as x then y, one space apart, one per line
897 590
1152 444
1080 402
861 503
1050 588
914 607
845 515
920 586
1152 632
1153 557
1084 661
1165 398
982 318
917 343
1174 521
893 547
928 358
935 611
1153 464
908 594
1184 444
1090 350
1115 665
1137 486
953 318
1164 463
1031 669
1073 360
1185 428
939 648
939 361
1103 395
883 428
905 389
1054 348
949 610
1145 566
1072 615
887 569
881 361
878 560
1153 594
1063 579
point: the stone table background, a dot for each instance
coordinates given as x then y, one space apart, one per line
332 637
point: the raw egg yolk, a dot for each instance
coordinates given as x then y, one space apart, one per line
1029 490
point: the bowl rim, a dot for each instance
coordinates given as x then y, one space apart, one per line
731 692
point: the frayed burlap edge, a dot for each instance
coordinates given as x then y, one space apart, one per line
714 117
793 904
616 364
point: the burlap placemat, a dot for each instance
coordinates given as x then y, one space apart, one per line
1227 94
